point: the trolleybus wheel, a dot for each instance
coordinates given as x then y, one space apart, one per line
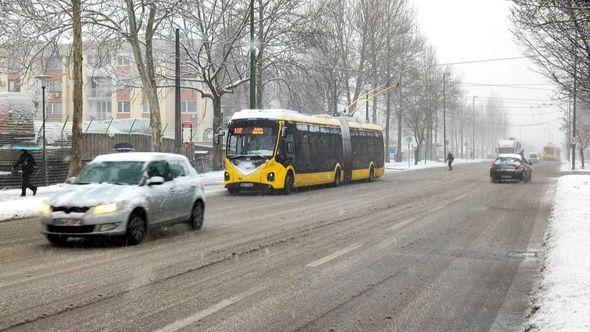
288 188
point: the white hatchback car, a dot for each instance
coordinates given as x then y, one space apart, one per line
125 194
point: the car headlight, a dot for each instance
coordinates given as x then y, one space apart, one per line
106 208
45 209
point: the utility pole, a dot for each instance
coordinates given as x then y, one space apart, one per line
44 143
177 115
569 128
473 130
387 120
445 114
398 156
252 59
574 114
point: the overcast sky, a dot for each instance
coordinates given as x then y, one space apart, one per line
467 30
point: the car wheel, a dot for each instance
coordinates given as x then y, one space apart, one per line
288 188
136 230
372 174
232 191
197 216
57 240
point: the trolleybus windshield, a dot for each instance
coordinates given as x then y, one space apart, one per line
251 140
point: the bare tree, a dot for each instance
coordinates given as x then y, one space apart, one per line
138 23
35 29
216 49
555 35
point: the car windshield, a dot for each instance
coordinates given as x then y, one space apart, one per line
251 141
115 172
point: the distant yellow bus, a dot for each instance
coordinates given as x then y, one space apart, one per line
550 152
281 150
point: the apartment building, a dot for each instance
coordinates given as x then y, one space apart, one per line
111 90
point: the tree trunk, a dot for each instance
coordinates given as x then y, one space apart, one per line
417 154
146 69
217 140
76 150
582 155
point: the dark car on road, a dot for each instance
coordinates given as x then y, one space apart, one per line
511 167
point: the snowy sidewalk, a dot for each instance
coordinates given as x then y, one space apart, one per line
564 297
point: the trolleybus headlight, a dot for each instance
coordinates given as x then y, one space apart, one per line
226 176
270 177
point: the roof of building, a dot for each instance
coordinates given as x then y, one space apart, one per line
294 116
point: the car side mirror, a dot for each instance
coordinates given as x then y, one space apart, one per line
71 180
155 180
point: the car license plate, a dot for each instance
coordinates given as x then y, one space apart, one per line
248 185
67 222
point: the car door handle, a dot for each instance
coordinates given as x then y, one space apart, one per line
172 190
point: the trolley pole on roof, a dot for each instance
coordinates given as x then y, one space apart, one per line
252 59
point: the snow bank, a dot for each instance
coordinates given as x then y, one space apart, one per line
566 167
212 178
403 166
13 206
564 298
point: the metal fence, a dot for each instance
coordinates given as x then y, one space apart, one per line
57 167
92 146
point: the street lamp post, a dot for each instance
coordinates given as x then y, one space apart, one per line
473 130
445 114
43 80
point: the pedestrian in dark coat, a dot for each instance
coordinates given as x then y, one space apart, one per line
449 159
27 164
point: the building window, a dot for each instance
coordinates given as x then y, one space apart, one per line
146 106
123 60
100 87
123 106
54 63
53 109
55 88
13 63
188 107
103 110
13 85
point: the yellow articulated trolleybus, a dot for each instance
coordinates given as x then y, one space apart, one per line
281 150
